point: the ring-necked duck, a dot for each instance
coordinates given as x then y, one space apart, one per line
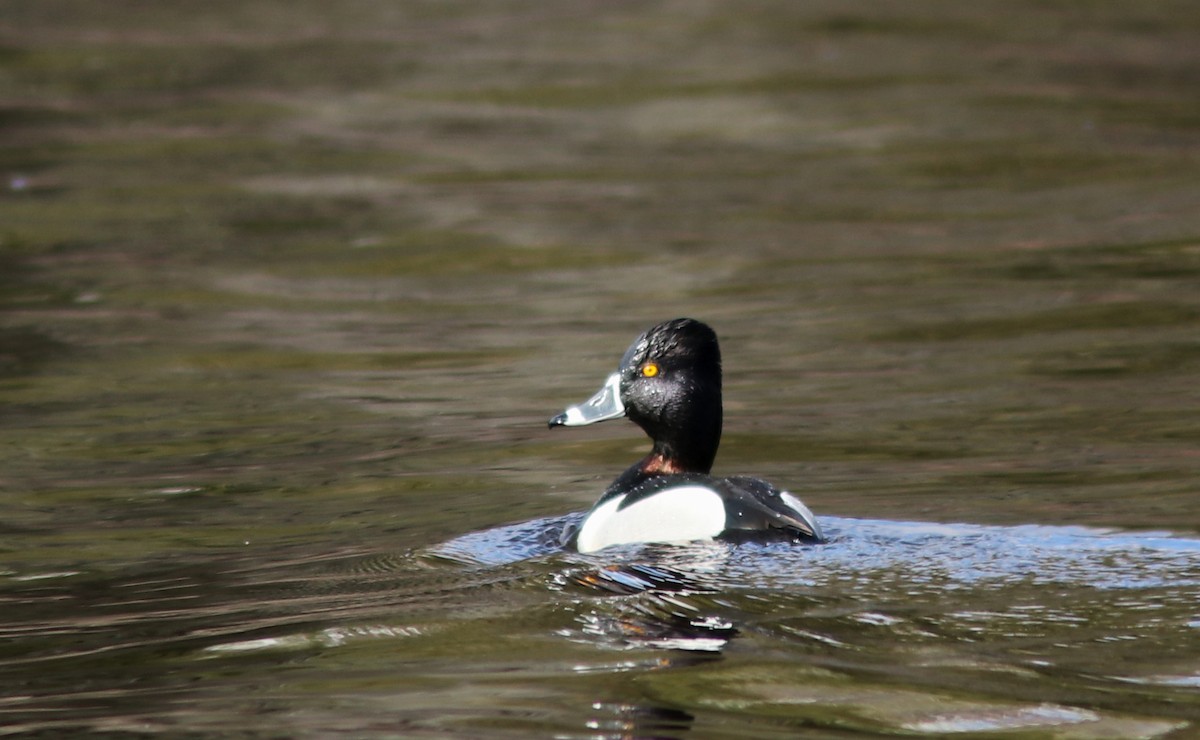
669 384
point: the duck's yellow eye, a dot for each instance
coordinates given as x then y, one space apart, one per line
649 370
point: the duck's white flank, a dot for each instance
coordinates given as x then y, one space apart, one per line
673 515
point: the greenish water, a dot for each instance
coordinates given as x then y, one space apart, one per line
288 291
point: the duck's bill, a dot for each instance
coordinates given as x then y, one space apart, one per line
605 405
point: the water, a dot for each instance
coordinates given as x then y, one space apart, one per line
287 294
892 626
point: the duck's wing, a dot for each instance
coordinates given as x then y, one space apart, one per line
754 504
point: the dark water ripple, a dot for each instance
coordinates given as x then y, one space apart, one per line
939 606
886 612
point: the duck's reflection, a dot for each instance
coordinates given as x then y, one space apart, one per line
617 720
660 600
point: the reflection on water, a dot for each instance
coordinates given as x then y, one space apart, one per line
947 607
891 626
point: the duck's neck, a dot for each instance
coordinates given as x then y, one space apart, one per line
667 458
660 461
688 447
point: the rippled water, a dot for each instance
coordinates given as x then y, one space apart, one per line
288 292
890 627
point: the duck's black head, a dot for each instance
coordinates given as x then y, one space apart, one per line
669 384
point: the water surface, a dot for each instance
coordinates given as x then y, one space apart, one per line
287 293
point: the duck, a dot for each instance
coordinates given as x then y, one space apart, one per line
669 384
